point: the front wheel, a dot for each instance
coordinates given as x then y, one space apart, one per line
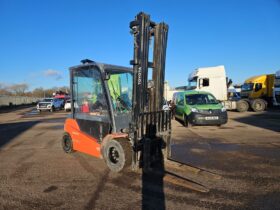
242 106
118 154
186 122
67 143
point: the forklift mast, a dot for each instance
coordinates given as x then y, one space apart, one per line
144 30
148 118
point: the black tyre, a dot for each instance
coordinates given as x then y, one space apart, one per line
52 109
186 122
67 143
258 105
242 106
118 154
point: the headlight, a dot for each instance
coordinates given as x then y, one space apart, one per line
194 110
37 105
49 106
223 109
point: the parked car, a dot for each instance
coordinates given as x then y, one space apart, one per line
199 108
62 102
67 106
49 104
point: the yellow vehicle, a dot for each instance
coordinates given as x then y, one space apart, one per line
257 92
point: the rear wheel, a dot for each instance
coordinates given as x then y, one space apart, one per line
67 143
242 106
258 105
118 154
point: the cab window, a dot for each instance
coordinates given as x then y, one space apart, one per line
120 88
88 94
205 82
180 100
258 86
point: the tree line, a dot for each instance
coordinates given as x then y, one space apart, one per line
23 90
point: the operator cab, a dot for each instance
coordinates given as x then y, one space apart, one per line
101 98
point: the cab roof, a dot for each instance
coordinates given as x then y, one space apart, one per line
214 71
86 63
258 78
192 92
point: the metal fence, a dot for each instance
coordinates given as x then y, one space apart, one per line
16 100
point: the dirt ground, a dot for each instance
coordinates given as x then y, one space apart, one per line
236 166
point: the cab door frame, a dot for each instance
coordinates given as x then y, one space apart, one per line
95 126
180 106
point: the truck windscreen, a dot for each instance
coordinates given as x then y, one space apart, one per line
247 87
192 83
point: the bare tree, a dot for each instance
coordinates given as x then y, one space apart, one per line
4 90
38 92
19 89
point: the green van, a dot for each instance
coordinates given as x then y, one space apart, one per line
199 108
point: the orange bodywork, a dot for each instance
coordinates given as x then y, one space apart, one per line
81 141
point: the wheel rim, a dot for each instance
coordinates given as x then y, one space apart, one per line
258 106
67 143
114 155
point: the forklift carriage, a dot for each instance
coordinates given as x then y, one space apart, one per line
115 114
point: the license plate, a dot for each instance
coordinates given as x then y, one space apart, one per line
212 118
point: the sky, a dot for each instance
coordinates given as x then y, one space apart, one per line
40 40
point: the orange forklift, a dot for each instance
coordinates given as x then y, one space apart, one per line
117 111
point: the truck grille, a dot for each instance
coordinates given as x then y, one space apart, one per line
43 105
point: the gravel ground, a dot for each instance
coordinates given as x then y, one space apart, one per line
237 164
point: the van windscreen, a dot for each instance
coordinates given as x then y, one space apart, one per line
200 99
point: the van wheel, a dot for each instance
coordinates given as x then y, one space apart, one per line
118 154
242 106
67 143
258 105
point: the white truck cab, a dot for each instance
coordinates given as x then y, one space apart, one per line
214 80
210 79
